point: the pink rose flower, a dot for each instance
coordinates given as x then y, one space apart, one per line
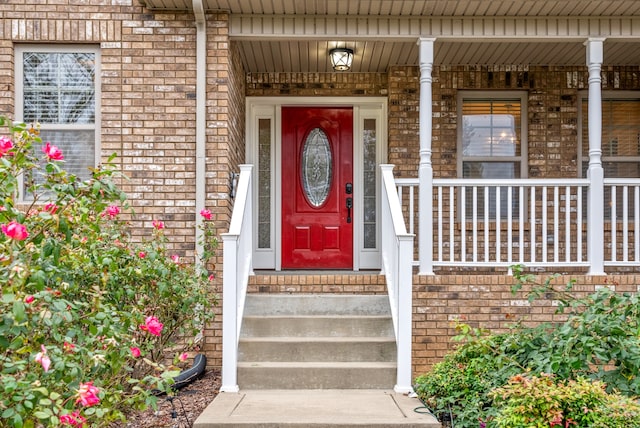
183 357
212 277
88 394
52 152
158 224
152 325
5 145
112 211
29 299
15 230
135 352
73 419
175 258
206 214
142 254
51 207
43 359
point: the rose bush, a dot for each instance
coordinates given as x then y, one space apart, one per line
88 316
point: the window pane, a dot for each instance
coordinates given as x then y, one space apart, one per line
369 182
59 88
499 170
59 92
264 178
620 137
78 148
491 128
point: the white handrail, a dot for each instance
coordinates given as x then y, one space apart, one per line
397 255
237 266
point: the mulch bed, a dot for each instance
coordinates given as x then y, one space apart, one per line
180 411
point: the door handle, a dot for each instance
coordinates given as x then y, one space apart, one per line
349 206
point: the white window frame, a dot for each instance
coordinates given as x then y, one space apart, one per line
270 108
20 50
583 98
498 95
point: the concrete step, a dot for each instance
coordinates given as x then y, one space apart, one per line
310 349
328 341
317 325
316 375
315 408
316 304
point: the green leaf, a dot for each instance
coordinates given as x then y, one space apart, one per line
19 311
43 414
8 413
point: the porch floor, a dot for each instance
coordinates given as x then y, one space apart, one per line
315 408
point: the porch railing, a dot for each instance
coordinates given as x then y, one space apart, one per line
538 223
237 265
397 248
622 215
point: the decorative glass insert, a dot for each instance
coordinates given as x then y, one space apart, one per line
316 167
264 183
369 183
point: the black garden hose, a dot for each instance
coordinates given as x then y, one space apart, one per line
193 373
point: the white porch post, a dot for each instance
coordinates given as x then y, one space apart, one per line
595 214
425 172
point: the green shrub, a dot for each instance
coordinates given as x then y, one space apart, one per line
544 401
599 342
86 314
460 384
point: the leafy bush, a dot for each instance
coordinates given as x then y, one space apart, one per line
460 384
544 401
87 315
599 341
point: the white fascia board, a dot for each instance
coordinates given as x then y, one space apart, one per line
277 27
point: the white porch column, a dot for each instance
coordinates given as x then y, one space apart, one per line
595 214
425 172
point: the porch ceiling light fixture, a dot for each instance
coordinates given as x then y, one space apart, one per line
341 58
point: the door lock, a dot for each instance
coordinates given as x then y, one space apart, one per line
349 206
348 188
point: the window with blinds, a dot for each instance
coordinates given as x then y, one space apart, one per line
58 88
620 137
620 147
491 143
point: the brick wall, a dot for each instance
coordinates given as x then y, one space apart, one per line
148 105
485 301
317 84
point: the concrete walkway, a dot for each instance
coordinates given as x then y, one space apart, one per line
314 408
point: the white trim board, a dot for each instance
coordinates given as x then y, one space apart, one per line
270 108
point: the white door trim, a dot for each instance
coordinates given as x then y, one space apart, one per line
269 108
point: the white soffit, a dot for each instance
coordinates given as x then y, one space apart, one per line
296 35
413 7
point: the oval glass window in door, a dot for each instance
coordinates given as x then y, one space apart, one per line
316 167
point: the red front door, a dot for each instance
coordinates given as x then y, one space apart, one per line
317 190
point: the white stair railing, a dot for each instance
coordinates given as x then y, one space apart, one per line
237 266
397 256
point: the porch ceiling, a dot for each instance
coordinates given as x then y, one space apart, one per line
378 55
413 7
296 35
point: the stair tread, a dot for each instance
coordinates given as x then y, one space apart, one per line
318 364
312 339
